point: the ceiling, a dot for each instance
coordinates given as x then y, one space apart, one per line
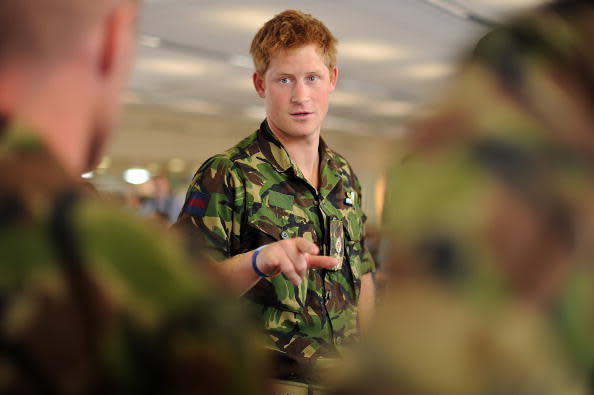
191 94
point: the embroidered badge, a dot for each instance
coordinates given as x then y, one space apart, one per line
197 203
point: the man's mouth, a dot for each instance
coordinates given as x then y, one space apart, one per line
301 114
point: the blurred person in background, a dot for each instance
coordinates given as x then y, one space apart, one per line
284 189
491 219
157 201
91 300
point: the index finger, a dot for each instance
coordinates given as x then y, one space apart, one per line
322 262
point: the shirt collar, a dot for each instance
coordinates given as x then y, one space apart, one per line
272 149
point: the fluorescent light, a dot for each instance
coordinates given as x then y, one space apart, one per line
247 19
87 175
150 41
371 51
171 66
427 71
137 176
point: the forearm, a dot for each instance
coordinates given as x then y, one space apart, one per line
238 271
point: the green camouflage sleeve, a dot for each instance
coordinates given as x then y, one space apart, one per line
214 207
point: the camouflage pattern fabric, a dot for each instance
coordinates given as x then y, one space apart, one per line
490 200
253 195
94 301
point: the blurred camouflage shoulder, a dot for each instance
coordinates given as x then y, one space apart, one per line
94 300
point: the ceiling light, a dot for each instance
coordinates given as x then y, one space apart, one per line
171 66
247 19
137 176
88 175
150 41
371 51
427 71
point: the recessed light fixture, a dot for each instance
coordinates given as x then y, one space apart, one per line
137 176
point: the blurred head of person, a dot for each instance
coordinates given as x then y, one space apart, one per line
63 64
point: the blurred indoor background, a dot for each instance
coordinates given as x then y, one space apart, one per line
191 95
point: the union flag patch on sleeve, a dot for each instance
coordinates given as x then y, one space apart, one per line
197 203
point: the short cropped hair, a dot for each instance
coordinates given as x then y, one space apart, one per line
42 28
288 30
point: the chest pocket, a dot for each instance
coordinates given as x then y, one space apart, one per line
273 219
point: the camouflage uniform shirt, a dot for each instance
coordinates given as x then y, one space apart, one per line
95 301
254 194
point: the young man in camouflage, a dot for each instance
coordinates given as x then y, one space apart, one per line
284 189
490 208
92 301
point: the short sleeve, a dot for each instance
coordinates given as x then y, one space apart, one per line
212 210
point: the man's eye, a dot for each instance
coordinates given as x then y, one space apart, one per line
284 80
313 78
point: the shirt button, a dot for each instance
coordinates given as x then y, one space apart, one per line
284 235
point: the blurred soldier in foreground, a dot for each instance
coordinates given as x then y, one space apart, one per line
491 214
91 301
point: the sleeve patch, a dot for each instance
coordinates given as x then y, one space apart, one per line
197 203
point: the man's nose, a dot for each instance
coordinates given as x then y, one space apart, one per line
300 93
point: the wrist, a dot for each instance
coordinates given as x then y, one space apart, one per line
254 260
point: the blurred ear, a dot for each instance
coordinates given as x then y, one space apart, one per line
258 80
118 37
333 78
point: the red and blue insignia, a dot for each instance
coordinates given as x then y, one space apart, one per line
197 203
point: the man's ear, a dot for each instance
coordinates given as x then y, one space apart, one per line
258 80
116 37
333 78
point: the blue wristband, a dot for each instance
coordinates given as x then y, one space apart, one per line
254 256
